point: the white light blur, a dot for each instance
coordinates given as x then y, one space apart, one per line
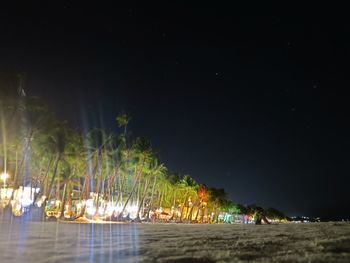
4 176
91 210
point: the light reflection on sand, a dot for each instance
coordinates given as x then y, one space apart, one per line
55 242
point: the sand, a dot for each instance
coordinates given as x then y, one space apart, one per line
41 242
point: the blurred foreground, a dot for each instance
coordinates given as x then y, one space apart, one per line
57 242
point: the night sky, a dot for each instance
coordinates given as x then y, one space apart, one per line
254 104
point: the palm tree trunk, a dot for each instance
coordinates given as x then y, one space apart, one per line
128 199
99 178
174 205
158 199
183 206
58 186
214 216
97 190
58 158
83 197
138 175
63 200
199 206
161 198
44 180
15 178
120 194
189 217
174 200
24 158
142 199
151 202
84 194
19 170
138 193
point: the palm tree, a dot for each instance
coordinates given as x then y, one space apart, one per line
217 199
105 164
189 187
42 157
123 120
69 180
73 165
97 146
35 120
142 151
203 200
157 172
273 213
121 157
57 142
195 199
174 180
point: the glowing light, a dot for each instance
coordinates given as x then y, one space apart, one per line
4 176
118 208
91 211
132 210
101 211
17 210
109 209
25 201
23 195
89 202
18 207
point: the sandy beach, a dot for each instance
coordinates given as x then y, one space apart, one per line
56 242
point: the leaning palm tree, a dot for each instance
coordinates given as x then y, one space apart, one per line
142 151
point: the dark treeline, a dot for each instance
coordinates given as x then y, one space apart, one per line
97 174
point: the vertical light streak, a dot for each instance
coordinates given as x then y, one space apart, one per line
3 130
